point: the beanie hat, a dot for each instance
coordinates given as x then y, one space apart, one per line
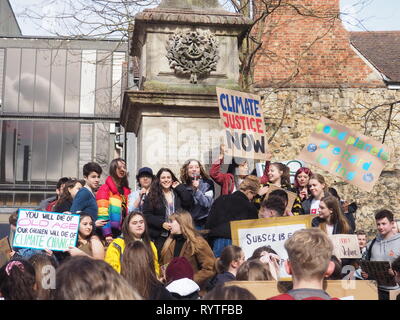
179 268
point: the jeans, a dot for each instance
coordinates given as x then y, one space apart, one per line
219 245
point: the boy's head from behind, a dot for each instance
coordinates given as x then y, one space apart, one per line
273 206
309 252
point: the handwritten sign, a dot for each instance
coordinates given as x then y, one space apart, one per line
46 230
379 271
243 123
273 232
345 246
343 152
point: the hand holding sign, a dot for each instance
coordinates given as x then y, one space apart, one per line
243 123
45 230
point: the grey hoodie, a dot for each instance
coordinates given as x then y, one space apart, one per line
385 250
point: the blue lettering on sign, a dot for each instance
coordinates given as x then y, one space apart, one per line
236 104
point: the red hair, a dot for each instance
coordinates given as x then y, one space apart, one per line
307 171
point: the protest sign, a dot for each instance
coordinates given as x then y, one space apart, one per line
243 123
345 246
379 271
291 196
361 289
273 232
343 152
46 230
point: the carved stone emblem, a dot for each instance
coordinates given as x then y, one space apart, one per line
193 53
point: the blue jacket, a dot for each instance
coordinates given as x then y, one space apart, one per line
85 201
203 199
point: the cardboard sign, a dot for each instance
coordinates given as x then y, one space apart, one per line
341 289
273 232
243 123
379 271
46 230
345 246
5 250
291 196
343 152
393 294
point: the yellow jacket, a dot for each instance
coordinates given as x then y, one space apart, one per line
116 249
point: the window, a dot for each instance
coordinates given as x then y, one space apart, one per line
27 81
11 81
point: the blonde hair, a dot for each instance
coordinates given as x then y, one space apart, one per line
251 183
309 252
185 221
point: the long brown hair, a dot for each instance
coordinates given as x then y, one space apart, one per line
128 236
156 194
66 195
81 216
39 261
83 278
185 178
137 268
185 221
337 216
230 254
113 172
285 177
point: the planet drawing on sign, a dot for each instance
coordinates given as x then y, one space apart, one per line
311 147
368 177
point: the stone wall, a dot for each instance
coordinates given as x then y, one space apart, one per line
301 108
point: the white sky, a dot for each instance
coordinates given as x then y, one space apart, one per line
373 15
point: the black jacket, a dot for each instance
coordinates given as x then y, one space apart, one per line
62 207
155 216
227 208
218 279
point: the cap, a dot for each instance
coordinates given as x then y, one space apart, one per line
144 171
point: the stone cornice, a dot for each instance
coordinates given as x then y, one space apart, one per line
137 104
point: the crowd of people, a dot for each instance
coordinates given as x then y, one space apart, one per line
171 238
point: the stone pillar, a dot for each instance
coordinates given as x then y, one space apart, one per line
186 49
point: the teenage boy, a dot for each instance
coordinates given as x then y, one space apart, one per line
362 241
385 247
85 199
362 244
272 207
309 262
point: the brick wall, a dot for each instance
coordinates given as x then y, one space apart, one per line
311 49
